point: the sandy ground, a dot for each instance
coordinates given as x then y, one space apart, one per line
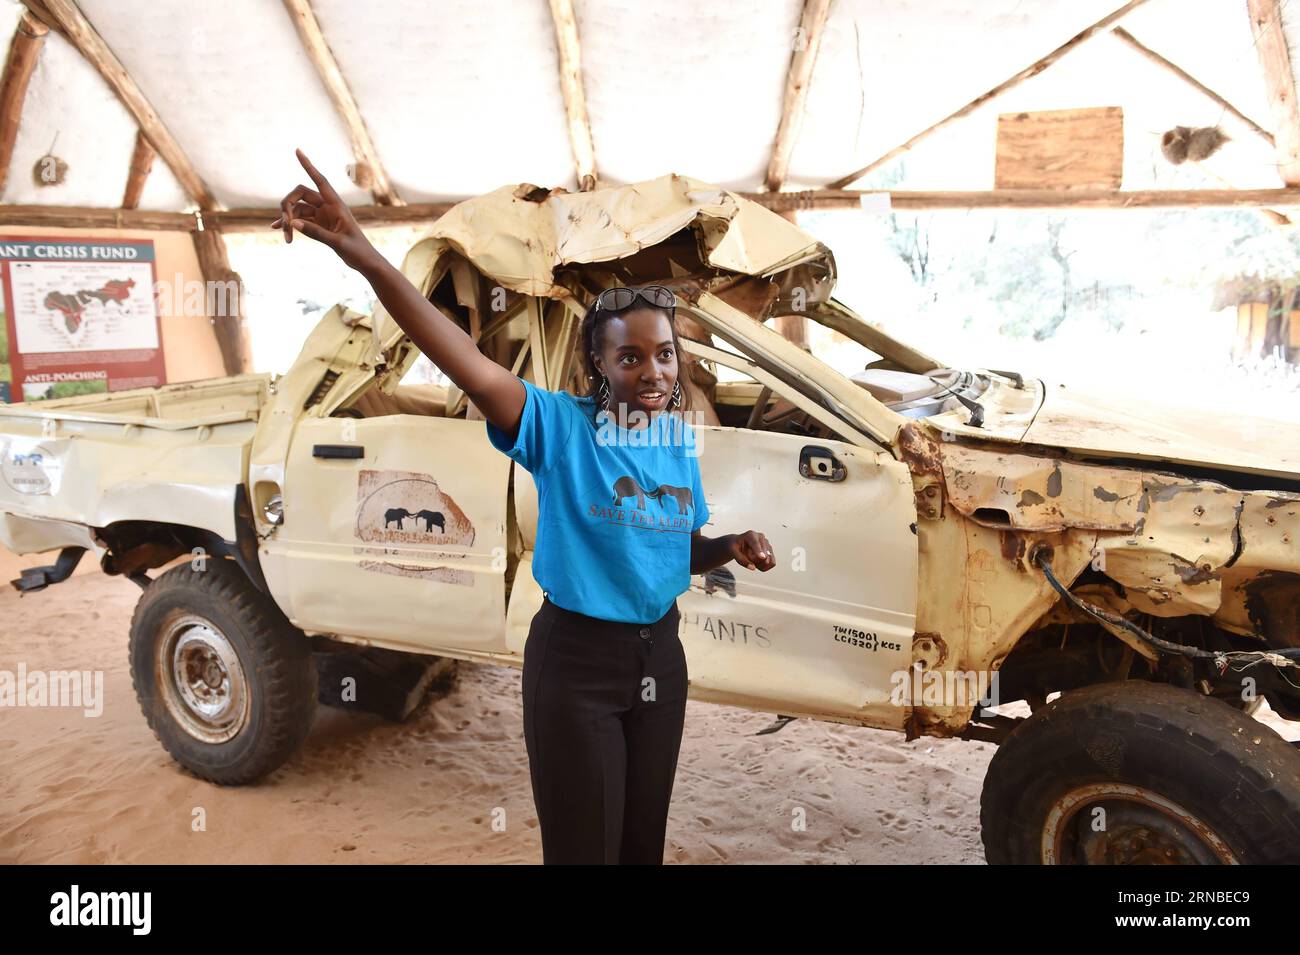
101 789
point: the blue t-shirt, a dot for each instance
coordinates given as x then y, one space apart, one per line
616 506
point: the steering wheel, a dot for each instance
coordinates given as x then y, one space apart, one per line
761 420
756 416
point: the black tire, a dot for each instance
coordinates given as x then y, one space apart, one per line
255 661
1141 748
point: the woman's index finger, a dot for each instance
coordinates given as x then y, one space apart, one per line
317 176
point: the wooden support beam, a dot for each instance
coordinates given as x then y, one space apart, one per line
370 171
794 328
1101 26
1279 79
807 41
1037 199
87 217
224 298
227 220
1191 81
1272 215
66 17
141 164
798 77
575 96
257 220
28 39
250 220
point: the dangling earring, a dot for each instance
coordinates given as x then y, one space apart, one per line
602 394
677 395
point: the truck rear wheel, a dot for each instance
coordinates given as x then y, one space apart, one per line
226 683
1141 773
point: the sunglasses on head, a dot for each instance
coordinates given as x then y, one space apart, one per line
622 298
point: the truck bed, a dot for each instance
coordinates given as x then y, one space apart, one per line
175 454
188 404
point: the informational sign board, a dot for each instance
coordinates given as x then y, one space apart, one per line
80 317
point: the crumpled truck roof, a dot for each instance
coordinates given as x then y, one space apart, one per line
519 235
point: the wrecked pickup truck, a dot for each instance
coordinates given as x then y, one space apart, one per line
949 540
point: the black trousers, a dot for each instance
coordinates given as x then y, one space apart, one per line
604 705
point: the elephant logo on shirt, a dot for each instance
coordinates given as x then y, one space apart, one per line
682 495
628 486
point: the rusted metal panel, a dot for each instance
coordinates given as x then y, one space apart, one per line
1172 563
1270 531
1026 493
979 602
1261 589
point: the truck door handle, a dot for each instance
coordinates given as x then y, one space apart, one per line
337 451
819 464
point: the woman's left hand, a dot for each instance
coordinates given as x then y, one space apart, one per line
751 549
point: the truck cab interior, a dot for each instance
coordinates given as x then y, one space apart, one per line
510 328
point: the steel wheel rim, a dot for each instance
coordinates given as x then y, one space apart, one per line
1143 827
203 682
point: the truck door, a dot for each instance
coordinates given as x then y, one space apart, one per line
825 631
394 530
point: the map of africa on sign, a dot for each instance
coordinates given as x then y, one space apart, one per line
80 317
75 306
70 304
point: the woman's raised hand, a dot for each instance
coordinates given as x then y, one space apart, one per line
321 215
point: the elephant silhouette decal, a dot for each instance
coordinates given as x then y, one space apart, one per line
430 518
396 515
405 525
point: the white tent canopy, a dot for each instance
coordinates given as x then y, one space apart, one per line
459 98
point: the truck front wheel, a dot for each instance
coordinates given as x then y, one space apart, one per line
1141 773
226 683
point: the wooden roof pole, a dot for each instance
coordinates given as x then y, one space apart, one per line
1037 199
1277 218
808 39
575 97
66 18
255 220
223 300
797 80
88 217
141 165
1193 82
29 36
1101 26
1279 79
1272 215
375 176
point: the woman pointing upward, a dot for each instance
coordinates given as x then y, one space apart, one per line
621 507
